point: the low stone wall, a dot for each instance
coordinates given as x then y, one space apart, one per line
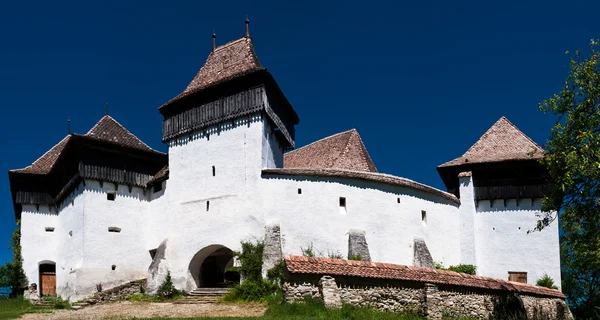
435 294
119 293
432 301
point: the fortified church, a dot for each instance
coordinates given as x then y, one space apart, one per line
105 208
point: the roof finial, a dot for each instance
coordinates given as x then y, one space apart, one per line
247 27
214 37
106 109
69 124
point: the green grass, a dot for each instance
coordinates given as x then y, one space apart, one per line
14 308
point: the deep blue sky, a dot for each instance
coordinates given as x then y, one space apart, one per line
420 80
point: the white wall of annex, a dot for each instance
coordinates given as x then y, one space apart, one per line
314 217
503 242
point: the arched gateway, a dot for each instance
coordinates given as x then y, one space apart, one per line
208 266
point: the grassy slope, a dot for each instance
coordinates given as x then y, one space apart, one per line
14 308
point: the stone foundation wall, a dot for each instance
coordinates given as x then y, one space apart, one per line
119 293
432 301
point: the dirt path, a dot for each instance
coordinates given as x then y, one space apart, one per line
130 310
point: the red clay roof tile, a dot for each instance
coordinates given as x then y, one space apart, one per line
339 267
502 142
343 150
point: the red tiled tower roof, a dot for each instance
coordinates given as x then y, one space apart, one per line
502 142
344 150
107 129
226 62
363 269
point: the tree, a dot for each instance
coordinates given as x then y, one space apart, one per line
11 273
573 165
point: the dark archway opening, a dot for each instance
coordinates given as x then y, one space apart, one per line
209 267
212 270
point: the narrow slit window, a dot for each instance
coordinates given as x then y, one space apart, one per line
114 229
299 191
213 170
424 217
207 205
343 209
111 195
398 199
49 229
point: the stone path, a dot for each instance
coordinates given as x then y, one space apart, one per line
130 310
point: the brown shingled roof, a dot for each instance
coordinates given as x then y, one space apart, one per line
163 174
226 62
339 267
45 163
502 142
361 175
108 129
343 150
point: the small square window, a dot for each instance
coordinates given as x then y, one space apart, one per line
111 195
517 276
114 229
49 229
299 191
342 202
157 187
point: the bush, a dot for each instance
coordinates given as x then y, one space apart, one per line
461 268
251 260
252 291
355 257
335 255
58 302
167 290
546 281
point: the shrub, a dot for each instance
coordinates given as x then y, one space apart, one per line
251 260
167 290
335 255
252 291
309 251
464 268
546 281
277 273
461 268
57 302
355 257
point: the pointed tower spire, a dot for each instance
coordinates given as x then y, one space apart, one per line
247 27
214 38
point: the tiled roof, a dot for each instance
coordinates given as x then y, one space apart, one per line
362 175
45 163
502 142
344 150
162 174
107 129
226 62
362 269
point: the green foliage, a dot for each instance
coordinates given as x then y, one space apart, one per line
11 273
573 165
334 255
355 257
254 287
461 268
251 260
58 302
546 281
141 297
314 309
252 291
310 251
277 273
167 290
14 308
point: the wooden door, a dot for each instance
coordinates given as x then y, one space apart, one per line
47 280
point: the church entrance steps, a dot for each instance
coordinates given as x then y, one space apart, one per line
203 296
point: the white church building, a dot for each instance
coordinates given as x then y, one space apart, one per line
105 208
